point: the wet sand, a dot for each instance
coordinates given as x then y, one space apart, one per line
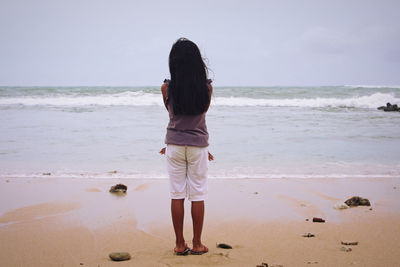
77 222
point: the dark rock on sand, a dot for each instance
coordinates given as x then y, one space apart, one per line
320 220
349 243
308 235
389 107
266 265
224 246
46 173
357 201
120 256
118 188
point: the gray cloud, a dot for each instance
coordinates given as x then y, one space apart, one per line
52 42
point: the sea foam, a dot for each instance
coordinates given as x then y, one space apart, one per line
140 98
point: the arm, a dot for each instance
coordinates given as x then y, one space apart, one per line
211 91
164 93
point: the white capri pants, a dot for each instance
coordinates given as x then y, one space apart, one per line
187 170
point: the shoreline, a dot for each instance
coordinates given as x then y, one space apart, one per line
65 222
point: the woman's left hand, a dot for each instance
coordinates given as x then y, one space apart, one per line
162 151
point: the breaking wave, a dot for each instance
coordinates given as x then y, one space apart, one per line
140 98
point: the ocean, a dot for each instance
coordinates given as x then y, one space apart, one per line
255 132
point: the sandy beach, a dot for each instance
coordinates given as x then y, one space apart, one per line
77 222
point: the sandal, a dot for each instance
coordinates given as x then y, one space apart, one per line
182 253
200 252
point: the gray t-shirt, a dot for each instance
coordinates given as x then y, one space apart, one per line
186 130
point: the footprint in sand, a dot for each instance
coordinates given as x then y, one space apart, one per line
219 258
93 190
142 187
38 211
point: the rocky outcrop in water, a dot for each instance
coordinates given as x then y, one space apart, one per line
357 201
389 107
118 188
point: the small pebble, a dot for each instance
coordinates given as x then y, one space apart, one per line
320 220
308 235
120 256
350 243
224 246
255 193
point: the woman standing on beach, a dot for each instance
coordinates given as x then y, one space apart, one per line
187 98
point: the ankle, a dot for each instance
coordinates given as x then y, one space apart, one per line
196 242
180 243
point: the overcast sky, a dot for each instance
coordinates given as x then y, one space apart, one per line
253 43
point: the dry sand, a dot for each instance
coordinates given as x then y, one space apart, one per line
77 222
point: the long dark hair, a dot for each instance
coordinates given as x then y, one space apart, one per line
188 86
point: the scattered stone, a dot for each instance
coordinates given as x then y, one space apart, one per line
264 264
345 249
276 265
307 220
320 220
46 173
303 205
370 208
255 193
357 201
81 263
224 246
312 262
394 187
118 188
340 206
112 172
349 243
389 107
120 256
308 235
7 181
